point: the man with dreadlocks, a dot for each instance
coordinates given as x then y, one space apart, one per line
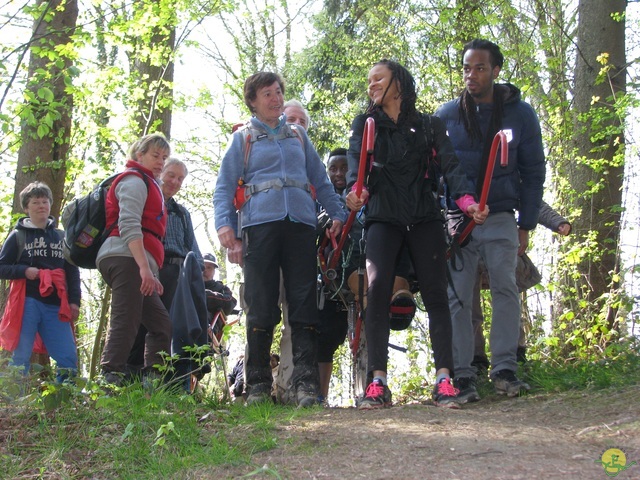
472 120
402 211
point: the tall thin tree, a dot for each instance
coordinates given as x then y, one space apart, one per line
595 175
46 115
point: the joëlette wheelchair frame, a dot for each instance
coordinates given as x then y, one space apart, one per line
216 342
328 271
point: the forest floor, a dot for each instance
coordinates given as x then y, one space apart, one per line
538 436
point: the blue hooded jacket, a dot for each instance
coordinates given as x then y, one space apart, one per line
272 159
519 185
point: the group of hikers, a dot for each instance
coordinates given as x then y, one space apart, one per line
163 292
275 203
271 180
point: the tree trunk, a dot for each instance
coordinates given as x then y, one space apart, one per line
155 70
46 118
595 174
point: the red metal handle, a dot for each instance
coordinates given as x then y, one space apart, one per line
500 140
368 137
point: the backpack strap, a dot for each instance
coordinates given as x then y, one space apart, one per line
141 174
251 135
21 240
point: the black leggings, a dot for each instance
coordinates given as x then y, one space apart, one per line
427 248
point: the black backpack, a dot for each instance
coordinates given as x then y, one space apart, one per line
85 224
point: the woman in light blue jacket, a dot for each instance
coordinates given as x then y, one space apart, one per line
266 191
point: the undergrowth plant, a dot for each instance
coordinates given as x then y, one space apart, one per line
82 430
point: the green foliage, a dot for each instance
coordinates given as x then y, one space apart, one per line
334 68
131 434
415 379
264 470
618 367
163 432
590 295
102 72
46 98
81 430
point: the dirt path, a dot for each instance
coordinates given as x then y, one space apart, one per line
538 436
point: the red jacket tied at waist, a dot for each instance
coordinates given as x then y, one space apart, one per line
11 323
56 278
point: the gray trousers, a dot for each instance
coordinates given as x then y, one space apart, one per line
496 242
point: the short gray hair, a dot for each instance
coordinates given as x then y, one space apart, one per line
174 161
296 103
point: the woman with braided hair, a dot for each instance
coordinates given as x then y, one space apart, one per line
402 210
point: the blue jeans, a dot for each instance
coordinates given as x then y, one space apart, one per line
57 336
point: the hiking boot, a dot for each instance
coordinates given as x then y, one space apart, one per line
376 396
467 390
481 364
445 395
285 396
113 379
306 395
260 393
506 383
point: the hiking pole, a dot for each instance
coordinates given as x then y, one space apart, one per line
500 140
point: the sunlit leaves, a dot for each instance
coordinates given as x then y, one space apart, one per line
46 94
